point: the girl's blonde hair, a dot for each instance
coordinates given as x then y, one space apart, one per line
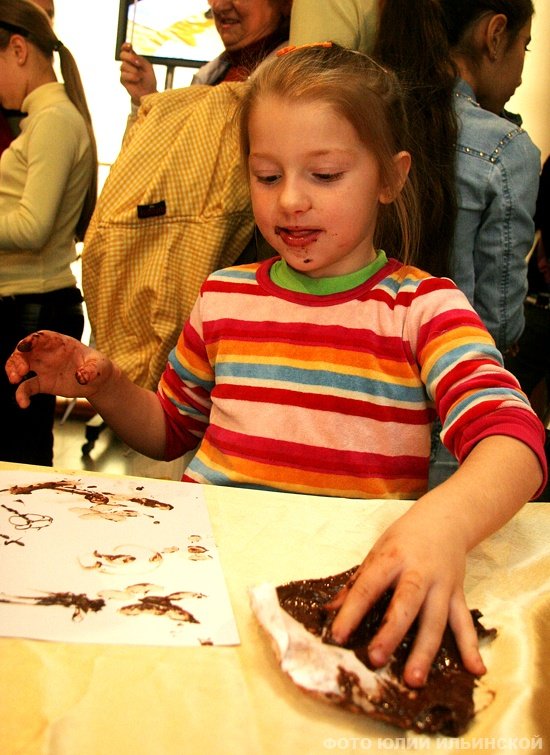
24 18
369 97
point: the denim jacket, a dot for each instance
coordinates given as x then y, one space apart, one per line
498 170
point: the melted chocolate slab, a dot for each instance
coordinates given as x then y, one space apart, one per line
444 705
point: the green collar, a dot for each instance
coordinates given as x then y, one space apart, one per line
286 277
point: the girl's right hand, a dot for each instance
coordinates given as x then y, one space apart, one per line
422 556
58 365
136 74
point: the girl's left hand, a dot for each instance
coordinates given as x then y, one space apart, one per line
53 363
422 557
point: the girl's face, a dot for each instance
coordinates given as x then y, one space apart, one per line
315 186
12 91
502 84
513 61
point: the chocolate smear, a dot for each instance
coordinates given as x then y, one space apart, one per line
443 705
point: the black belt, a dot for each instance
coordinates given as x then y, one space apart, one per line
62 297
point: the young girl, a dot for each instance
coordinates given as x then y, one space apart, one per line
47 194
481 45
317 372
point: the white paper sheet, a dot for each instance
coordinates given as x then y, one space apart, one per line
93 559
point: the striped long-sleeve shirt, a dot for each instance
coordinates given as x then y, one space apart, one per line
334 394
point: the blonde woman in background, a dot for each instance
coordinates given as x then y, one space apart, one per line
48 178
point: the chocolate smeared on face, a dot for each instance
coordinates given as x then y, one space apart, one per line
445 704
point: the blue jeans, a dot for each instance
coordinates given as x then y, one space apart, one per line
442 462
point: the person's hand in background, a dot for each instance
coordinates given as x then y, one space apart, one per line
136 74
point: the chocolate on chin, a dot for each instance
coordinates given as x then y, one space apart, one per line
300 634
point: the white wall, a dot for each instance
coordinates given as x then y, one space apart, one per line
90 33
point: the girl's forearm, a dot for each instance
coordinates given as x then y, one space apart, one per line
498 477
133 413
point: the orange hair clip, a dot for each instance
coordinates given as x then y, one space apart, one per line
292 48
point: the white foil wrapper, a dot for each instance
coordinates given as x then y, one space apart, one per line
312 664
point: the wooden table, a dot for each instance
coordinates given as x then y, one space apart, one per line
68 699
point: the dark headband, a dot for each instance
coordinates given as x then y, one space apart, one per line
14 29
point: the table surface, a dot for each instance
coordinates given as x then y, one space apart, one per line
76 699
